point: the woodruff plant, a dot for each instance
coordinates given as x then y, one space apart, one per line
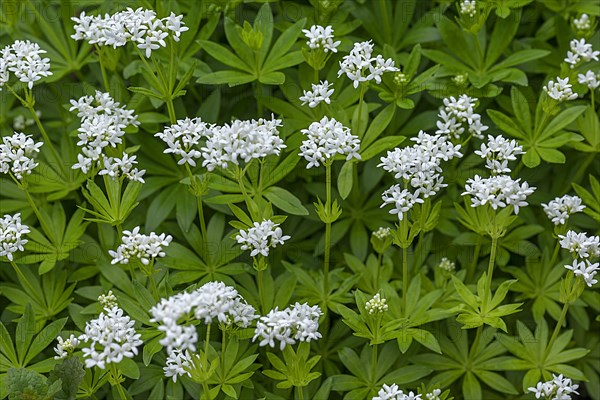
157 212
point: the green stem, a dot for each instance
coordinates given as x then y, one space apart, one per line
374 364
205 390
555 254
593 100
490 270
259 275
404 278
300 391
329 207
154 287
223 347
57 158
207 341
379 266
360 106
316 76
116 377
557 328
473 266
476 341
37 213
102 69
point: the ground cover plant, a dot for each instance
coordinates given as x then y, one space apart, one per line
320 199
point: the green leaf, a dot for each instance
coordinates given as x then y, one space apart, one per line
232 78
285 200
70 373
519 57
381 145
44 338
506 124
25 332
380 122
225 56
129 368
345 177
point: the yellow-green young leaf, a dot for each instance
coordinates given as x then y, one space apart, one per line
531 159
551 155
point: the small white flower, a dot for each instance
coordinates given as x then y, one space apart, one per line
419 167
23 59
580 244
124 166
590 79
558 388
112 337
298 322
561 208
16 154
458 112
183 139
179 363
11 235
391 392
321 38
241 141
212 301
580 52
561 90
382 233
582 23
65 347
139 26
497 152
376 305
325 139
468 7
320 92
142 247
108 300
261 237
498 191
359 66
446 265
103 123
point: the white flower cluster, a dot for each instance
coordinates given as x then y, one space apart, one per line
360 65
23 59
590 79
582 247
140 246
326 138
498 191
179 363
581 52
320 92
124 166
183 138
559 388
103 123
298 322
497 152
376 305
561 208
108 300
11 235
468 7
456 113
16 154
393 392
241 140
112 338
561 90
212 301
141 27
261 237
321 38
382 233
446 265
419 167
583 23
65 347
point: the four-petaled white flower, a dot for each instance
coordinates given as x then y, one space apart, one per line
261 237
561 90
11 235
360 65
319 93
23 59
325 139
561 208
135 245
16 155
321 38
298 322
